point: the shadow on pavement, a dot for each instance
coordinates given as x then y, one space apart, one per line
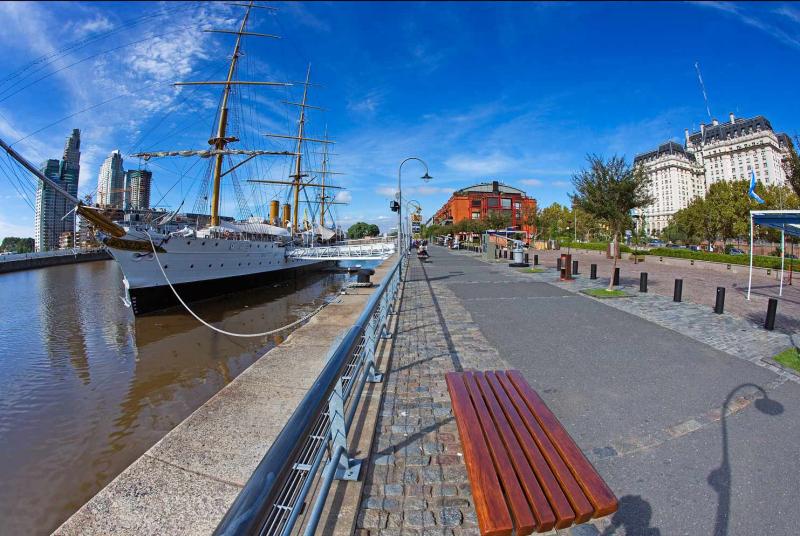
633 516
720 479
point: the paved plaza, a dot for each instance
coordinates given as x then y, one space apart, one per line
695 436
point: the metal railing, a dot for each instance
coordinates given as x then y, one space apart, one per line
368 251
276 493
44 254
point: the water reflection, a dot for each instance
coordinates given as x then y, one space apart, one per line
86 388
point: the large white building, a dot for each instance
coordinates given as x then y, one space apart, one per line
111 182
718 152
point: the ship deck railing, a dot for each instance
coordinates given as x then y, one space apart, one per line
311 450
366 251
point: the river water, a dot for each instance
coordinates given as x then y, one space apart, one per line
86 388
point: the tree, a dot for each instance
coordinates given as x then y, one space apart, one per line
609 191
362 229
12 244
554 220
792 168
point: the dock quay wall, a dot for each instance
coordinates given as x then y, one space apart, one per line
14 263
187 481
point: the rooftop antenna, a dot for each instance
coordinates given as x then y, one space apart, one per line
703 88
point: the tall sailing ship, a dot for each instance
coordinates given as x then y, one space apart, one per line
224 255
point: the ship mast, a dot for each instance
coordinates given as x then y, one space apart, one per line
298 162
324 172
221 140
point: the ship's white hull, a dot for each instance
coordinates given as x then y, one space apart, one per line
201 267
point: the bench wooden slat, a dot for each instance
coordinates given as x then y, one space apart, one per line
552 489
597 491
520 510
490 506
580 504
545 517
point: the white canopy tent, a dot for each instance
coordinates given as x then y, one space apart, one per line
787 221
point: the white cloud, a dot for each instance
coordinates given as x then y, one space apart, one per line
343 197
366 105
480 165
561 184
96 24
532 182
8 228
758 18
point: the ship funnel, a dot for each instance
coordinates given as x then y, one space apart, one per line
287 214
274 206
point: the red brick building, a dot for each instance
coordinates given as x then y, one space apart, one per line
475 202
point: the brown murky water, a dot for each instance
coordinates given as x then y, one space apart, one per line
86 388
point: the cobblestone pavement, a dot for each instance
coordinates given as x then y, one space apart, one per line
699 285
730 332
417 483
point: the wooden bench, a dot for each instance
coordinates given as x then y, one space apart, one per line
526 472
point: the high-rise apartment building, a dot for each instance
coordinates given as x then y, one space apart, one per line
111 182
54 215
137 189
717 152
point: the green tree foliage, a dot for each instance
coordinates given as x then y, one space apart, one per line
12 244
609 190
362 229
724 213
792 167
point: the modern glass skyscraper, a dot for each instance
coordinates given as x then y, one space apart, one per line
137 189
111 182
52 209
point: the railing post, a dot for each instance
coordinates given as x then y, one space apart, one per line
347 468
370 343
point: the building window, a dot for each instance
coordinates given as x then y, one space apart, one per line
476 202
506 203
476 215
492 202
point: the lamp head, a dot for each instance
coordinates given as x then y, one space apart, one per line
426 177
769 406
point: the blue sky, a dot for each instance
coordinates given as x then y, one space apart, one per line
481 91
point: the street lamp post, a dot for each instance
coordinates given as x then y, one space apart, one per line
426 178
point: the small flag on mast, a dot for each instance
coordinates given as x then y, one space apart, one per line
753 194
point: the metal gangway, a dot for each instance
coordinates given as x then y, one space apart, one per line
344 251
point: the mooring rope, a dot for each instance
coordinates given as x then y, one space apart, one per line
222 331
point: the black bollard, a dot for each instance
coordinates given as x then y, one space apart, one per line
616 277
535 259
592 271
643 282
558 264
678 292
719 306
772 309
574 267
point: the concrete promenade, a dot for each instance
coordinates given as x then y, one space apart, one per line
677 424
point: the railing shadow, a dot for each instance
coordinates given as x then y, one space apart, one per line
450 346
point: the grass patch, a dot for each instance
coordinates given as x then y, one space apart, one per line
789 358
533 270
605 293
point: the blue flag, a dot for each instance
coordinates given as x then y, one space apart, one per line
753 194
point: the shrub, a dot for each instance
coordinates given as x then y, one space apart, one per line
758 260
594 246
